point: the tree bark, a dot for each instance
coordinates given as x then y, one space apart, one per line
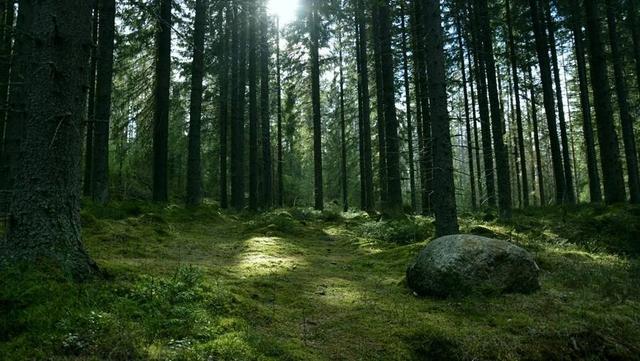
279 110
87 185
536 139
542 50
314 25
614 190
595 192
162 103
343 132
100 188
267 164
225 90
45 210
253 110
194 165
407 89
444 189
628 135
238 110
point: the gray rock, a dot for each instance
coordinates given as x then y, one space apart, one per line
459 265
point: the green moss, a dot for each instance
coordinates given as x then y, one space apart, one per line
199 284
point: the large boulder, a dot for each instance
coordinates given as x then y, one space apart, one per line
459 265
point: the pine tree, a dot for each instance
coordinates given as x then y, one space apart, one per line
314 31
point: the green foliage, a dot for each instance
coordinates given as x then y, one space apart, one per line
198 284
403 231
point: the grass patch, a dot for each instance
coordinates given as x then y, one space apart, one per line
200 284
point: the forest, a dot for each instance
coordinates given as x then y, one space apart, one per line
319 180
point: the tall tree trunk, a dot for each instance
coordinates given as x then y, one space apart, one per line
45 210
225 90
485 121
87 184
363 81
497 123
424 113
194 165
516 89
407 90
467 116
634 27
314 24
279 110
536 139
393 204
237 125
595 192
444 189
476 140
15 123
614 190
343 132
7 15
380 103
570 194
100 188
253 110
628 135
542 49
267 165
162 103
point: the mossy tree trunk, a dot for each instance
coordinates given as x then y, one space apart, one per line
45 210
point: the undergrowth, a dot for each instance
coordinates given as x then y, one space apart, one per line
297 284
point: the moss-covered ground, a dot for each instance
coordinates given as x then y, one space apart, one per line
300 285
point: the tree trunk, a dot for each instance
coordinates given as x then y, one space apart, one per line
536 139
444 189
485 121
595 192
162 103
237 125
634 27
225 90
279 109
614 190
267 172
497 123
343 132
103 102
45 210
7 14
194 165
467 116
314 24
516 90
253 110
380 103
628 135
407 90
87 185
542 49
570 194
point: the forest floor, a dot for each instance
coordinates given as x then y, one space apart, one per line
301 285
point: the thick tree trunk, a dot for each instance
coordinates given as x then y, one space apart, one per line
595 192
444 189
45 211
100 188
162 103
628 135
194 165
87 185
614 190
570 194
267 164
542 49
314 24
380 103
516 89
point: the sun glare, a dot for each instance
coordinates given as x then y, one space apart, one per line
285 10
